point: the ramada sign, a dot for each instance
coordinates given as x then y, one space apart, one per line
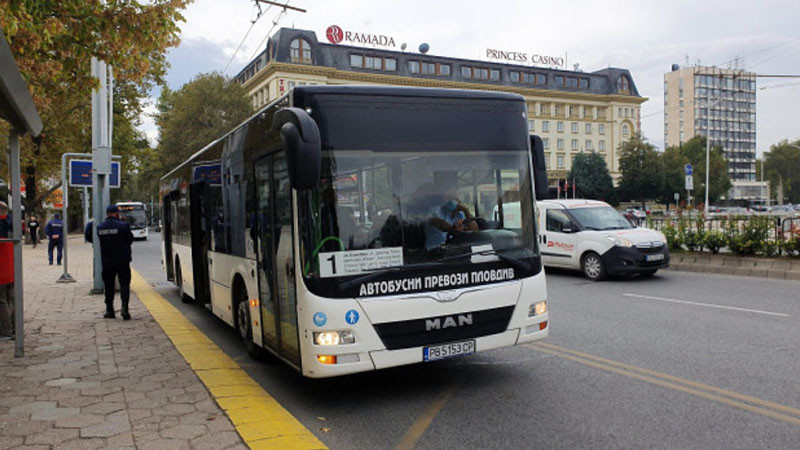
336 35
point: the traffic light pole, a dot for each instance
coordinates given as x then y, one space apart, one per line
102 101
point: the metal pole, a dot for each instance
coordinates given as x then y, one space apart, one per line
708 150
65 277
85 206
101 159
16 215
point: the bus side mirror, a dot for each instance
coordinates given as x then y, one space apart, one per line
539 168
302 145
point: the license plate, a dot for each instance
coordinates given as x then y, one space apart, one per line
450 350
656 257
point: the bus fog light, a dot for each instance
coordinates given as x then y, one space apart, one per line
327 338
347 337
537 309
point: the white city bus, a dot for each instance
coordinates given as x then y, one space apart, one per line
308 227
135 213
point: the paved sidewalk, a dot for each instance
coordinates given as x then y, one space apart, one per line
87 382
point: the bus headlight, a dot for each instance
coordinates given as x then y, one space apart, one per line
334 337
538 308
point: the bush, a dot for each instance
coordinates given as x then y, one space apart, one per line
693 239
671 233
714 240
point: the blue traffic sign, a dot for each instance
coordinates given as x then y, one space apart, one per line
687 169
80 173
351 317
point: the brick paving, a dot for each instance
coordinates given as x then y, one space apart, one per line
87 382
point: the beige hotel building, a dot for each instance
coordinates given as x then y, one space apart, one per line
572 111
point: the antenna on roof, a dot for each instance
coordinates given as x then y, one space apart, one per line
423 48
403 47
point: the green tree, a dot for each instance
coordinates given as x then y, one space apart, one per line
591 176
198 113
673 162
53 42
782 168
640 165
720 183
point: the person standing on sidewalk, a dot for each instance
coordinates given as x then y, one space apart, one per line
6 273
33 227
54 231
115 251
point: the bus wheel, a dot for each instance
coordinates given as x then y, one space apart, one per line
244 325
179 279
593 267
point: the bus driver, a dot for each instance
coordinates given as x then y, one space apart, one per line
451 216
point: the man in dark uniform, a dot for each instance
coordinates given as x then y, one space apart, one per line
54 231
33 227
115 249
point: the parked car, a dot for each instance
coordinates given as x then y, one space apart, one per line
591 236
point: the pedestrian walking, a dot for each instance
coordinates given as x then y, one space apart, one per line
55 238
6 273
33 228
115 251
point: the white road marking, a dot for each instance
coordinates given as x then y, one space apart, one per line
709 305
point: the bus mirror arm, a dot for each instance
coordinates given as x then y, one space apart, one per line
539 168
301 142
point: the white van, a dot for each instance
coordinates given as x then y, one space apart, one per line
593 237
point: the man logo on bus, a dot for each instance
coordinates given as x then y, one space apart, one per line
334 34
449 322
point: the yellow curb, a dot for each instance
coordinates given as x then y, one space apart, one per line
258 418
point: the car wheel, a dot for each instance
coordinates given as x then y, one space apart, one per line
593 267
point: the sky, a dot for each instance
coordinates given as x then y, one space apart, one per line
643 36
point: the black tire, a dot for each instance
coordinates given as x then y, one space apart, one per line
244 324
179 281
593 267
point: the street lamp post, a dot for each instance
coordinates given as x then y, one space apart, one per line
708 150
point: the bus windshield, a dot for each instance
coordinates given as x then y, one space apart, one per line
134 215
388 214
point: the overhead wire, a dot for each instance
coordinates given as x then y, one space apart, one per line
274 24
252 24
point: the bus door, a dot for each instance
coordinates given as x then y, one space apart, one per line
169 214
276 258
201 239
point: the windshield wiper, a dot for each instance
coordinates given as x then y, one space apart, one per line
517 263
378 272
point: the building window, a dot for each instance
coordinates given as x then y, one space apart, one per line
494 75
574 144
373 62
560 144
560 161
623 86
588 128
572 82
531 127
547 161
589 145
476 73
560 126
602 145
546 142
584 83
559 79
300 51
601 128
513 76
545 126
574 126
429 68
625 130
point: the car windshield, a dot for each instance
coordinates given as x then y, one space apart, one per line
599 218
379 210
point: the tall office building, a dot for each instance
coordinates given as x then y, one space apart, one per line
691 94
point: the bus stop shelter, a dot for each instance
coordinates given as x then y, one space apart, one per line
18 109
